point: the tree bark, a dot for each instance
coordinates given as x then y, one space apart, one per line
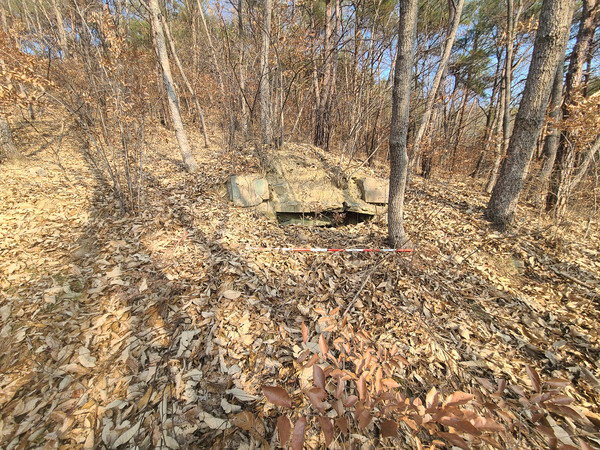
184 145
585 164
3 19
213 52
407 30
241 70
498 145
185 79
455 14
62 34
564 162
553 137
8 149
490 123
549 41
511 21
330 44
266 120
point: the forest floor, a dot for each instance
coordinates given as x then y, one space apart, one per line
159 328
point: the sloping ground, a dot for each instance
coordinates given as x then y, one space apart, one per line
158 329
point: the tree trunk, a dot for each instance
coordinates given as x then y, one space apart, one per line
501 148
62 34
490 122
185 78
549 42
498 145
241 70
585 164
213 53
3 19
330 45
455 13
564 162
266 120
553 134
161 49
8 149
511 21
493 117
407 30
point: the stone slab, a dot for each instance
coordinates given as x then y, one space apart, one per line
247 190
374 190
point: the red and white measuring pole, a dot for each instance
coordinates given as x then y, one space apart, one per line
331 250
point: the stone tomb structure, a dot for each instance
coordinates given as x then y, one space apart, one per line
300 185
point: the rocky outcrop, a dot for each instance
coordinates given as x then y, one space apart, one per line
299 181
247 190
374 190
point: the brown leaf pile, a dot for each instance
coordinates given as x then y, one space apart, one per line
161 329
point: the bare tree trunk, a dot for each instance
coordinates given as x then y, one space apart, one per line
459 129
564 162
185 78
8 149
585 164
184 145
407 30
455 13
3 19
511 21
213 52
266 120
323 113
498 147
549 42
492 120
553 133
501 148
241 70
62 35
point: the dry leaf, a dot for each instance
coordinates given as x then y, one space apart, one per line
298 435
535 378
454 439
126 436
228 407
458 398
213 422
318 377
342 424
323 346
388 428
278 396
316 397
327 429
85 359
304 333
432 398
115 273
241 395
244 420
232 295
284 428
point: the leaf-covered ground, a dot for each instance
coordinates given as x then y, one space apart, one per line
159 328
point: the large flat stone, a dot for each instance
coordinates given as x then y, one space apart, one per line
374 190
247 190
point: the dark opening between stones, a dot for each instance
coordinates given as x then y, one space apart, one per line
323 219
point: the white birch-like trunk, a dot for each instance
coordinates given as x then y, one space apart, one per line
161 49
266 121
